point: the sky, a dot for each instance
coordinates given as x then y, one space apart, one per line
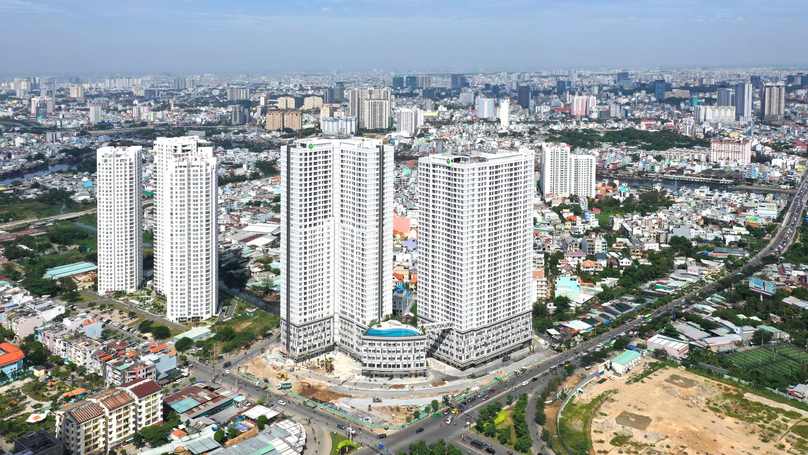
62 37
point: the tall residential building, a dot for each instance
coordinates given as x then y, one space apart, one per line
505 113
398 82
523 96
726 97
424 82
185 233
180 83
281 120
581 105
475 254
287 102
756 81
486 107
109 419
96 114
743 102
409 119
714 114
120 218
411 81
339 92
740 152
77 92
236 93
336 243
773 102
459 81
41 106
564 174
371 106
659 89
583 179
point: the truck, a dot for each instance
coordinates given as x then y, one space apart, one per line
284 386
281 376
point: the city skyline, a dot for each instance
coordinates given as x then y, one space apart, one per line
445 36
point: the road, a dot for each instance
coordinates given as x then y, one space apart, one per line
48 219
433 431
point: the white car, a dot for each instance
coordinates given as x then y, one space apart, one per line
281 402
226 371
524 383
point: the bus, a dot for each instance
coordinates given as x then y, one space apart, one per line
647 317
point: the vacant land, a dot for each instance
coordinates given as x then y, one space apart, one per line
778 360
675 411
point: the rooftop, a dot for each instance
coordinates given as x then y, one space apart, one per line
626 357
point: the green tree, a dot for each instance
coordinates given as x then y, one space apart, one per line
219 436
145 326
435 405
562 304
184 344
261 422
161 332
761 337
416 414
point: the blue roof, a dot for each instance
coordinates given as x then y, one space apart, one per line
393 332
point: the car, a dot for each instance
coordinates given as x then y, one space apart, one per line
449 420
340 426
381 436
420 430
226 371
476 444
281 402
492 390
490 450
524 383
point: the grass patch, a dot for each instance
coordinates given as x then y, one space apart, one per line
781 360
260 323
800 430
620 440
573 424
90 219
652 368
336 439
500 417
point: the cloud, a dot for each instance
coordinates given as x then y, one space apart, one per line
22 6
326 10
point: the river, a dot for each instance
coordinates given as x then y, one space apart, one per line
43 171
675 186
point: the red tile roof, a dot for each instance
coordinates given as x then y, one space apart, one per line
10 354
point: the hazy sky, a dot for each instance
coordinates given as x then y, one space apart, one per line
194 36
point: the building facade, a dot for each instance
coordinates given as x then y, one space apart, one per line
714 114
120 218
773 102
564 174
336 248
371 106
475 254
185 233
743 102
505 113
740 152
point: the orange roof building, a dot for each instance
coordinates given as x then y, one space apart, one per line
11 360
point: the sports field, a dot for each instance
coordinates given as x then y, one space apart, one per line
780 359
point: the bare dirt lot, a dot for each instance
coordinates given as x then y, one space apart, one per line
675 411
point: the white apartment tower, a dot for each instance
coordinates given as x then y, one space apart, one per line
743 102
505 114
371 106
564 174
485 108
336 242
185 233
120 219
475 254
409 119
555 169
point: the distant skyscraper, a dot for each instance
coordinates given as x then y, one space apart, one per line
398 82
743 102
77 92
561 86
475 254
411 81
523 96
181 84
623 76
371 106
339 92
120 219
236 93
773 102
505 113
41 106
564 174
726 97
459 81
424 81
714 114
96 114
731 151
582 104
185 234
409 119
485 107
756 81
336 243
659 89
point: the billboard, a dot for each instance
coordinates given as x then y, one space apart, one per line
761 286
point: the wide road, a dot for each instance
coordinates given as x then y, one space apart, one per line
62 217
433 431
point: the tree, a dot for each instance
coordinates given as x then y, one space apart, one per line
446 400
232 433
219 435
137 440
620 343
145 326
68 289
161 332
184 344
435 405
562 303
261 422
761 337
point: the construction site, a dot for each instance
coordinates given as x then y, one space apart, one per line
671 410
